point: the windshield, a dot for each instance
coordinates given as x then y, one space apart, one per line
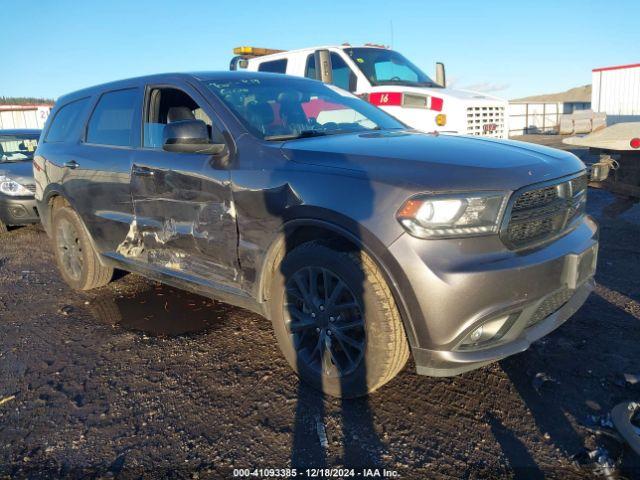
286 108
18 147
386 67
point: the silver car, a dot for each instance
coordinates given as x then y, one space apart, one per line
17 203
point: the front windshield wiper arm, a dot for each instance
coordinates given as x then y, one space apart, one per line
293 136
317 133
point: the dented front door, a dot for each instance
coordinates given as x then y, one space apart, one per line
184 216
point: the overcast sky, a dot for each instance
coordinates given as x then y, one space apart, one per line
512 49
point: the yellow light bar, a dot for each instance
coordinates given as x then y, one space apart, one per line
254 51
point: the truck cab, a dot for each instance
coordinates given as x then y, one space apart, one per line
389 81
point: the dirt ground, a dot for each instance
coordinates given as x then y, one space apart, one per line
140 379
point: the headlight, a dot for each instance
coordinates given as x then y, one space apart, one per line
12 188
458 215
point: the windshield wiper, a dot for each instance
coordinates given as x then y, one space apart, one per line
318 133
293 136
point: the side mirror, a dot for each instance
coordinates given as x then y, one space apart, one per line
324 70
238 62
189 136
441 76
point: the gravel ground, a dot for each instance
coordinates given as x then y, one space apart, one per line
140 379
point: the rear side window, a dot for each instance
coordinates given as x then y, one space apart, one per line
275 66
111 122
65 120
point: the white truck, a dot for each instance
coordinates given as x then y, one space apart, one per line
390 81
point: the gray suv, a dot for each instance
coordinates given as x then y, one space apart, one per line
361 240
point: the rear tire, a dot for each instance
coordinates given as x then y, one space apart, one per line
77 260
363 346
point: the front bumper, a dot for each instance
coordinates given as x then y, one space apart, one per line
460 284
443 363
18 210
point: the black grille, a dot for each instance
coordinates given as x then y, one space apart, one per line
539 214
31 188
550 305
523 232
536 198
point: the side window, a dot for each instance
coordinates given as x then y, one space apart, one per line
111 122
275 66
65 120
310 69
167 105
343 76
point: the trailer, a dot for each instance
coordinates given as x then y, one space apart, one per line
618 167
615 93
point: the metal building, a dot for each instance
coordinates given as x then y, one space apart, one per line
23 116
616 92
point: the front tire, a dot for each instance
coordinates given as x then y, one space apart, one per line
77 260
336 320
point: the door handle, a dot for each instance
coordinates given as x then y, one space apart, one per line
72 164
142 171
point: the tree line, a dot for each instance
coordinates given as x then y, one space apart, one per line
24 100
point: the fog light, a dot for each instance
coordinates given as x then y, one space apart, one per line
18 211
489 332
441 119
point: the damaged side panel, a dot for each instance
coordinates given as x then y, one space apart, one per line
184 217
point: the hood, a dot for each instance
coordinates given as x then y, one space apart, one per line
21 172
435 162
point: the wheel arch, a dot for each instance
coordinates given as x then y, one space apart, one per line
55 198
302 230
